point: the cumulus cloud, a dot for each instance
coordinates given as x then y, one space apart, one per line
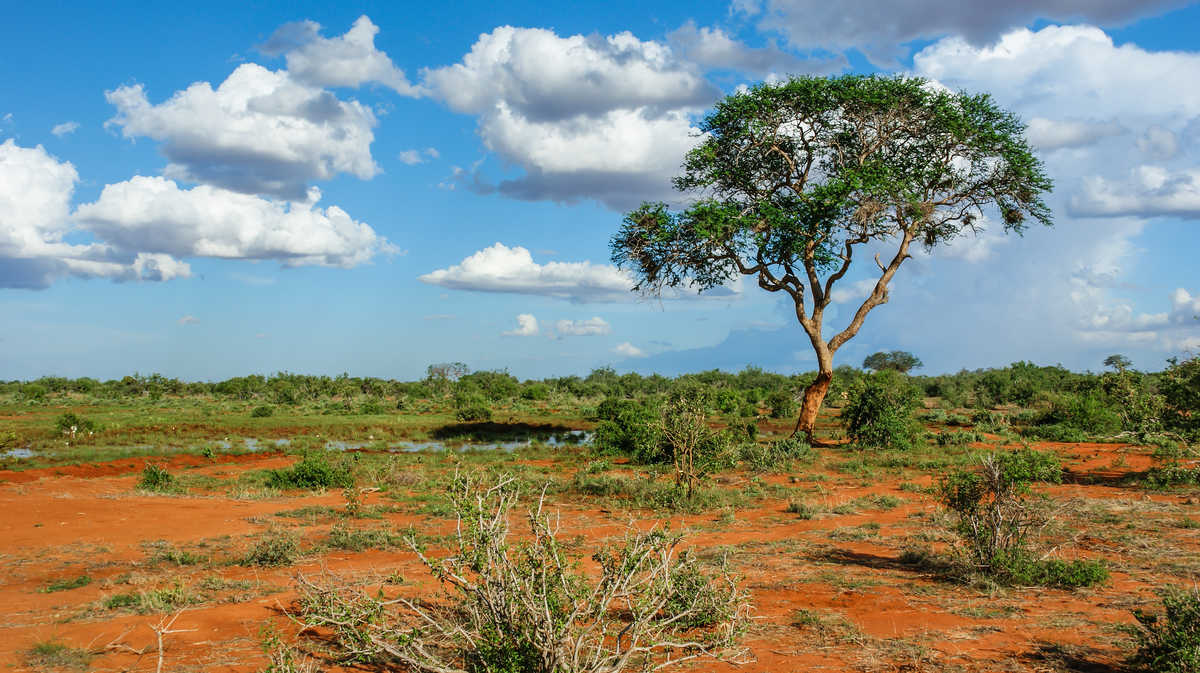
1171 330
499 268
1050 134
605 118
1147 191
188 320
881 30
714 48
349 60
259 132
414 157
65 129
848 292
527 325
35 197
595 326
629 350
154 214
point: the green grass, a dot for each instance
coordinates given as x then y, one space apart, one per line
51 654
66 584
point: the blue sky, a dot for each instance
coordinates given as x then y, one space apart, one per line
208 192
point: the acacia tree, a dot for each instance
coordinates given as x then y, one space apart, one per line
900 361
791 180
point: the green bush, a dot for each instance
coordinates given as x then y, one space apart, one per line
629 429
782 404
1180 388
262 412
471 407
372 408
535 391
775 456
274 548
313 471
70 423
1087 412
880 411
156 478
1169 642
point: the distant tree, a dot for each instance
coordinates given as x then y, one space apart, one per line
791 179
442 375
1118 362
899 361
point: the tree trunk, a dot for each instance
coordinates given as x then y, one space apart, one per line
814 395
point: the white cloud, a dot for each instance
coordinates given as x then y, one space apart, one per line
188 320
595 326
259 132
154 214
605 118
629 350
499 268
349 60
35 196
65 128
857 290
414 157
1147 191
714 48
881 30
1158 142
1049 134
527 325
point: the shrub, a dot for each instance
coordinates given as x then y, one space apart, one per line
995 521
775 456
51 654
156 478
528 607
535 391
1169 642
1087 413
694 449
879 412
71 424
473 414
629 429
312 471
262 412
371 408
782 404
1180 387
274 548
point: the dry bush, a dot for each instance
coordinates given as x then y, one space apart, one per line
526 606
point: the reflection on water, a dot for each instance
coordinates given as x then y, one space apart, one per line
19 452
556 439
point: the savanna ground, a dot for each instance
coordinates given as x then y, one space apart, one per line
95 553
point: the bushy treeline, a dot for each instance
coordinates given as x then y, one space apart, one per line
1059 403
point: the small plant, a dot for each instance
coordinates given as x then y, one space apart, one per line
879 412
996 521
274 548
312 471
1169 642
156 478
801 509
526 607
51 654
262 412
73 425
782 404
67 585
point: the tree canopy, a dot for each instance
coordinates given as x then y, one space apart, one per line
899 361
791 179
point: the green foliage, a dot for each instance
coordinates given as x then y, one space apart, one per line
471 406
156 478
1180 387
782 404
274 548
880 410
629 429
900 361
314 470
67 584
776 456
1169 642
371 408
995 521
262 411
72 424
535 391
1077 414
52 654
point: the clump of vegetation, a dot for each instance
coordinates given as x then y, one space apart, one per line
694 448
471 407
782 404
879 412
628 428
996 521
527 607
371 408
156 478
1169 642
51 654
73 424
274 548
313 471
263 411
775 456
66 584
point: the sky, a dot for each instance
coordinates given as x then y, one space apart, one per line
246 187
